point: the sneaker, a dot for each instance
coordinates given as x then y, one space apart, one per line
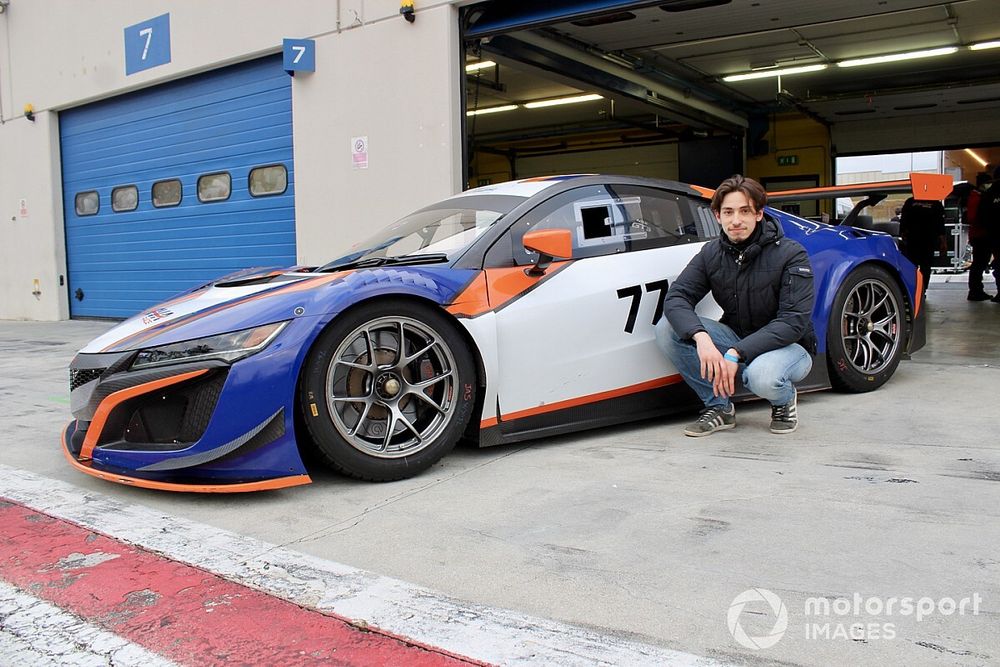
978 296
784 418
715 418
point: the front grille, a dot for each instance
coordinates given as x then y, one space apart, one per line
81 376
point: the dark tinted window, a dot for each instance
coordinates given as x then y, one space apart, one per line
87 203
214 187
609 219
271 180
124 198
166 193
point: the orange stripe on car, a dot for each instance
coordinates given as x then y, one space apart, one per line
593 398
489 423
552 177
473 300
494 288
111 401
239 487
707 193
919 294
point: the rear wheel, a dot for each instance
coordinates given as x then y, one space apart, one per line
387 390
867 330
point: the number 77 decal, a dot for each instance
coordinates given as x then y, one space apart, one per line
635 293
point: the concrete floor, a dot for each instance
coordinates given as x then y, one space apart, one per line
640 531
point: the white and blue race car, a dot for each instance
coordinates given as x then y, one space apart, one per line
508 312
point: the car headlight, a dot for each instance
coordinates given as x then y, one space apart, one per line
224 347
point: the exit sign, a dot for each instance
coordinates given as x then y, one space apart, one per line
788 160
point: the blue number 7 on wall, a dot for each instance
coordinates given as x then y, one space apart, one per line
147 44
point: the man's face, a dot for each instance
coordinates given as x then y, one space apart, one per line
738 216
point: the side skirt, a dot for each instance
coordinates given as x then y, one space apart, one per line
663 401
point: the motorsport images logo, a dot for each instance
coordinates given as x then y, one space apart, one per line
857 618
777 608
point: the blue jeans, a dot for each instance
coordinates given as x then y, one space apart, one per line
770 376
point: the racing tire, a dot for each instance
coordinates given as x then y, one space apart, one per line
387 390
867 331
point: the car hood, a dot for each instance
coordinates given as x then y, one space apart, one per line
237 301
254 298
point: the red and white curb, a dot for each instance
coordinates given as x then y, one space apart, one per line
161 582
34 632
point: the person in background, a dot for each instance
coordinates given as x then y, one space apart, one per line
988 222
764 283
978 237
921 232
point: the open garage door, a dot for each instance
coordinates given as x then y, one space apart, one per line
775 89
170 187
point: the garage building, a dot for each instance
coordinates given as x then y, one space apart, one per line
146 147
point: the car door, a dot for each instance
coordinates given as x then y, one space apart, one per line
583 332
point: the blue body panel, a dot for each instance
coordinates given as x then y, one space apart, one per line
230 120
259 386
834 252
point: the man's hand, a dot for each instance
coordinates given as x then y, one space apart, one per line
714 367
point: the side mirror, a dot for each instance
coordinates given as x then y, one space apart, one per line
549 244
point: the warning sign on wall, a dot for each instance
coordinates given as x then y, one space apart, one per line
359 152
22 208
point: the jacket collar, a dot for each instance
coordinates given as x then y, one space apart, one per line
769 232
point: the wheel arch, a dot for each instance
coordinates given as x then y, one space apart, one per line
412 298
835 278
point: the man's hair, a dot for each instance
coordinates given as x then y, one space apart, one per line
753 190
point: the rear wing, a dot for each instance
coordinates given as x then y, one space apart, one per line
920 186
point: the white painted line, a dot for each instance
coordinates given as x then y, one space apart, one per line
37 633
485 633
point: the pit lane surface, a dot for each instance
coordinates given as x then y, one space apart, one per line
638 535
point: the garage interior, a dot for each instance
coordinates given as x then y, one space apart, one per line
695 90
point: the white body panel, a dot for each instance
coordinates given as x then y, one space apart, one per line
483 330
554 343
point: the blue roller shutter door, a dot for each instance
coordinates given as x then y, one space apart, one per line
228 121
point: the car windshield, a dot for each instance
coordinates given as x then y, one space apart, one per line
439 232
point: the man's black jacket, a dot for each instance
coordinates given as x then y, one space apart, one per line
765 290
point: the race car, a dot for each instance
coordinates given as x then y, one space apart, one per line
508 312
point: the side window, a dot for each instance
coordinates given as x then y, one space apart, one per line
166 193
214 187
610 219
705 223
124 198
265 181
87 203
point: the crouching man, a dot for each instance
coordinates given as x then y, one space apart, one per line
764 283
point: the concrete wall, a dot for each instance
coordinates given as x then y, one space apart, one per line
397 84
910 133
658 161
794 134
376 76
31 240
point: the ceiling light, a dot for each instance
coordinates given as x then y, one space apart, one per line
479 112
770 73
562 100
975 156
894 57
985 45
482 64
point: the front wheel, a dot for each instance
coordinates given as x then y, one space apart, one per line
867 330
387 390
